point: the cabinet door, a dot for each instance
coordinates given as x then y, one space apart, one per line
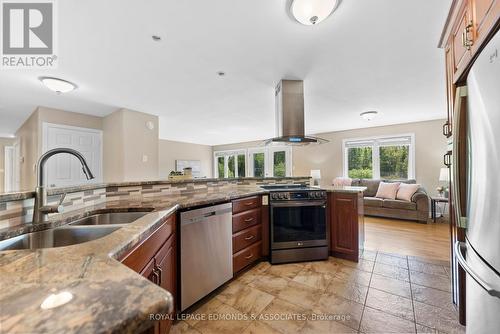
344 229
461 53
150 273
485 13
165 266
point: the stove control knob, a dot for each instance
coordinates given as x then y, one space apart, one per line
274 196
287 195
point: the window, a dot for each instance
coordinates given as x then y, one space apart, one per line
257 162
279 163
390 158
230 164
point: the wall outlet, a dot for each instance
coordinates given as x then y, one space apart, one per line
144 158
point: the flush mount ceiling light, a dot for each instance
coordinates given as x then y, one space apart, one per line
369 115
58 85
311 12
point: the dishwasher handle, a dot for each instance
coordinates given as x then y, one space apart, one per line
205 216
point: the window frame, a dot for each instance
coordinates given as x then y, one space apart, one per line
248 152
226 154
375 143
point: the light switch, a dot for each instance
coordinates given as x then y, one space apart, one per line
144 158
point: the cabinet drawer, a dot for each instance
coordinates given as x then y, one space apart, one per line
246 219
246 237
247 203
247 256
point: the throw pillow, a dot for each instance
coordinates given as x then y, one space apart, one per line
387 190
406 191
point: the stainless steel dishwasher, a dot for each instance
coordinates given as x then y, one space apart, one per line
206 251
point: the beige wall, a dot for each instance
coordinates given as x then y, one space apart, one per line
430 145
30 137
63 117
174 150
130 148
3 142
113 148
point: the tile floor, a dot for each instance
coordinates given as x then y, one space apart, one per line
383 293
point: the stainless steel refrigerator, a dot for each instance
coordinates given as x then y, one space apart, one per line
479 255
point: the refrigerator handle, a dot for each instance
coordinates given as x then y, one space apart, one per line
459 246
461 93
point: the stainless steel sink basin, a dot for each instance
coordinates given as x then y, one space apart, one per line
110 218
57 237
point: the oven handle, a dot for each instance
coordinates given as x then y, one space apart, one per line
289 204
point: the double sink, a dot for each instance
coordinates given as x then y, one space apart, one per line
82 230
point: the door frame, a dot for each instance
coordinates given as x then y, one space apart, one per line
9 167
45 142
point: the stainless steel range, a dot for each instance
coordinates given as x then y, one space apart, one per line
299 231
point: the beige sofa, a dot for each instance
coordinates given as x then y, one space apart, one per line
417 209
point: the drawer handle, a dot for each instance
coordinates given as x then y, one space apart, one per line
250 237
248 220
249 257
249 203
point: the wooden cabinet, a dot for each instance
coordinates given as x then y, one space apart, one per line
469 26
462 39
247 231
346 224
485 14
155 258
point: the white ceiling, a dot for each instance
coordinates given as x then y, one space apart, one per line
369 54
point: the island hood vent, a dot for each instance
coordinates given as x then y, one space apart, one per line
289 95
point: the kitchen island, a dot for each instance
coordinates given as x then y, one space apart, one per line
106 295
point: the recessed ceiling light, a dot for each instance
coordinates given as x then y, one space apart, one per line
310 12
221 73
58 85
156 38
369 115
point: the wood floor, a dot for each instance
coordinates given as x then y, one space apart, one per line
430 240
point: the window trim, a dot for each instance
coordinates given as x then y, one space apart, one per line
226 154
248 152
376 142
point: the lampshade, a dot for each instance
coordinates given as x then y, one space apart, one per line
316 174
444 175
310 12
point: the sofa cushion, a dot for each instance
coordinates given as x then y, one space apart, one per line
373 201
387 190
371 186
406 191
397 204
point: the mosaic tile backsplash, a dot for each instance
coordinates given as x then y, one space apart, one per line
18 212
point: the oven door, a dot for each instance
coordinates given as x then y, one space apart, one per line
298 224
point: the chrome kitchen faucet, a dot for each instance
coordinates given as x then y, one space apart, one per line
41 209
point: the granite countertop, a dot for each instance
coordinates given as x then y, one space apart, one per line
21 195
107 296
344 189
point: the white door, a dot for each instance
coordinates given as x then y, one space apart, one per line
64 170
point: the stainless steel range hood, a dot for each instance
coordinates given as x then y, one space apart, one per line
290 119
